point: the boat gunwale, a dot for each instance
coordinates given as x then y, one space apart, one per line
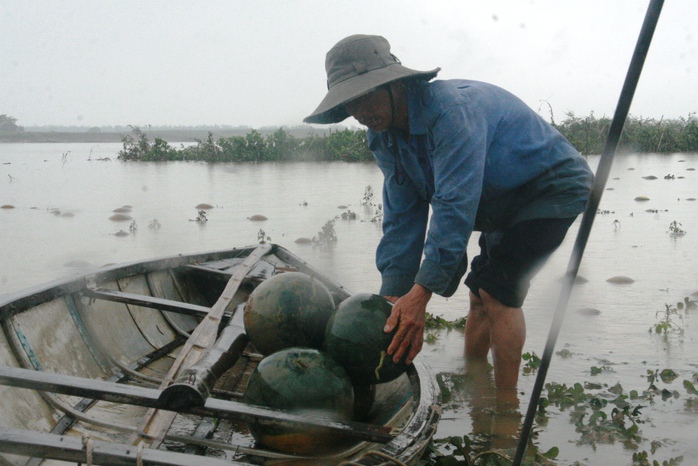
19 301
406 446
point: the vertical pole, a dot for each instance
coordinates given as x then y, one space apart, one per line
602 173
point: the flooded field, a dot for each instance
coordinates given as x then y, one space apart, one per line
627 342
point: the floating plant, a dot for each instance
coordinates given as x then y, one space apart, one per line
675 229
201 218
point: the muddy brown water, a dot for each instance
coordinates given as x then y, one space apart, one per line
606 329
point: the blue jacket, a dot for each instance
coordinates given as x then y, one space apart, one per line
483 160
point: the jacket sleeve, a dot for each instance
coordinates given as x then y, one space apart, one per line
405 216
460 136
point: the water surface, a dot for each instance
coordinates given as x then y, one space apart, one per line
63 196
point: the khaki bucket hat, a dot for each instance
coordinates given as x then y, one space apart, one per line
355 66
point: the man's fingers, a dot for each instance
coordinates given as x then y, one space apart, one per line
412 342
396 341
402 341
392 321
408 317
415 348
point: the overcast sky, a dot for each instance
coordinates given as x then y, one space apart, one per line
261 63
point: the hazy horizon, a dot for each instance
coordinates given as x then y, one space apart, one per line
261 64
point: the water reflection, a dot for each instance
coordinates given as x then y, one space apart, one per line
494 413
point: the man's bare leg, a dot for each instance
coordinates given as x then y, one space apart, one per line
492 324
477 330
507 335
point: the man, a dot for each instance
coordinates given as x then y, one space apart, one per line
481 160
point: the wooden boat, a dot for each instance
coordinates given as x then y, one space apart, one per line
146 363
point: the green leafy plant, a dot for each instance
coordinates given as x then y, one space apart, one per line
596 370
368 196
675 229
348 215
686 305
467 451
532 363
201 217
262 237
641 458
667 322
326 236
433 322
690 388
378 214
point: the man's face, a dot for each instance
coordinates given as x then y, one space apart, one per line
372 109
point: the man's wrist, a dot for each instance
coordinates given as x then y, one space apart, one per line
422 291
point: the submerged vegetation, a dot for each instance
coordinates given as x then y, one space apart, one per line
601 413
587 134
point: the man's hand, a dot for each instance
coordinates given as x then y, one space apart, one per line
408 316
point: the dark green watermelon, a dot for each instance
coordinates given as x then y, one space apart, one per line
300 381
364 397
356 340
287 310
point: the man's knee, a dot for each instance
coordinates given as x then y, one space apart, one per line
491 304
477 306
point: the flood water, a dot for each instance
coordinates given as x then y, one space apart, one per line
58 199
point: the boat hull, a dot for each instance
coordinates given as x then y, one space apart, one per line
141 325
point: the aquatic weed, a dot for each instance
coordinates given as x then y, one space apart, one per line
368 196
327 235
532 363
348 215
201 217
675 229
433 322
667 323
262 237
467 451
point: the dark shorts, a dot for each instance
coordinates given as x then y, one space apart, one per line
510 258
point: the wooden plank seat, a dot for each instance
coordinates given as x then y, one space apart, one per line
149 397
149 301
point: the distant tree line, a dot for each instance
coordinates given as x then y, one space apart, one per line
639 135
280 146
9 124
587 134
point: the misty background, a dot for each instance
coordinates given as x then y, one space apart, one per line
256 64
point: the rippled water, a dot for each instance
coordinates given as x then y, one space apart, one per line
63 196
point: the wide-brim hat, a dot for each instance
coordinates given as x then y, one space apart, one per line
355 66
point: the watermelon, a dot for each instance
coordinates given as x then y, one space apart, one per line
364 397
356 340
300 381
290 309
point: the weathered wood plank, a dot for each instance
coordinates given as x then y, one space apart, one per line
70 448
148 397
194 385
156 423
148 301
